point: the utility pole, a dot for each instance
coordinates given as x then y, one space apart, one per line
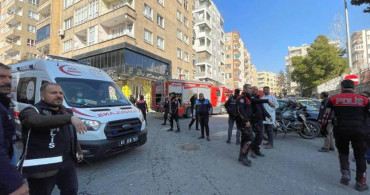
349 50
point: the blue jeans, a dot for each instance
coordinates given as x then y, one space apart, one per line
230 130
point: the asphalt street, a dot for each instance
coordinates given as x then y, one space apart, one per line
179 163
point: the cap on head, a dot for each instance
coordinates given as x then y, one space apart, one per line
347 84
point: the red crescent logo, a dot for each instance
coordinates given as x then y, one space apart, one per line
70 70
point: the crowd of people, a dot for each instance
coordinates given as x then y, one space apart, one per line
50 157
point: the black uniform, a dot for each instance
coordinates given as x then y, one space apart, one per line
202 110
166 106
53 142
192 101
259 115
350 122
174 113
244 108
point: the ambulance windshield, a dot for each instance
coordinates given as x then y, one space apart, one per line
87 93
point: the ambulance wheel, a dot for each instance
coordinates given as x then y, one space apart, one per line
188 113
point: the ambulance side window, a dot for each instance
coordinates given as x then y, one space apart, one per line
26 90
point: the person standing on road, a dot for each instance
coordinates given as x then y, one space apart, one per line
50 151
174 112
202 108
141 104
166 105
259 114
193 99
350 125
231 109
11 181
132 100
268 124
244 107
328 134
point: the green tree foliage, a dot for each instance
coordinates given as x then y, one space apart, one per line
322 63
360 2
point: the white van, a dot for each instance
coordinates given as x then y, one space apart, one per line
114 124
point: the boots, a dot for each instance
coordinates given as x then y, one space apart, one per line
244 159
178 127
346 177
361 186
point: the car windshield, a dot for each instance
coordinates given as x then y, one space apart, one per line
85 93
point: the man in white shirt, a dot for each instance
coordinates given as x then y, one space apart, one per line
268 124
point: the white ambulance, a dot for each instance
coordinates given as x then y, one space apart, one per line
114 124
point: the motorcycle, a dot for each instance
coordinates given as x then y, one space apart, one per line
294 119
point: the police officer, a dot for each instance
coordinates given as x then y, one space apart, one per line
230 106
350 113
11 181
259 115
244 106
174 112
141 104
166 105
50 144
202 108
193 100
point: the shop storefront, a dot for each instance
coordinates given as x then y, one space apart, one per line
132 68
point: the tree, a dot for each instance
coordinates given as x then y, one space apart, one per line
360 2
280 82
322 63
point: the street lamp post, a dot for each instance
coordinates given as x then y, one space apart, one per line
349 52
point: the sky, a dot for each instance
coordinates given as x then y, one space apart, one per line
268 27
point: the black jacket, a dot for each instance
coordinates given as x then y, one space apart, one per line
323 106
10 178
350 112
259 112
245 105
192 101
51 136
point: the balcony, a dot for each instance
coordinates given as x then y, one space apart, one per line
13 19
43 3
203 61
204 34
203 19
202 4
13 32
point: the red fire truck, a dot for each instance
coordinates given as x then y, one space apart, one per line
184 90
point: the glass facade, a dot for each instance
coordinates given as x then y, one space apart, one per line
130 63
43 33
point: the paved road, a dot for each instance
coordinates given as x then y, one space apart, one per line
162 166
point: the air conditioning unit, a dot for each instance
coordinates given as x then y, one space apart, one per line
61 32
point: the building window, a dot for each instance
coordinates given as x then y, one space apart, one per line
228 75
68 23
179 34
227 56
180 1
148 11
31 42
359 56
179 53
179 71
160 43
67 45
93 9
186 22
33 15
31 29
43 33
161 2
227 47
67 3
186 57
179 16
228 66
359 47
148 36
80 15
186 5
93 35
30 56
160 20
186 39
227 39
34 2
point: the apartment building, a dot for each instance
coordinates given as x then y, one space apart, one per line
269 79
254 77
135 41
234 60
360 43
209 42
248 73
18 20
297 51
